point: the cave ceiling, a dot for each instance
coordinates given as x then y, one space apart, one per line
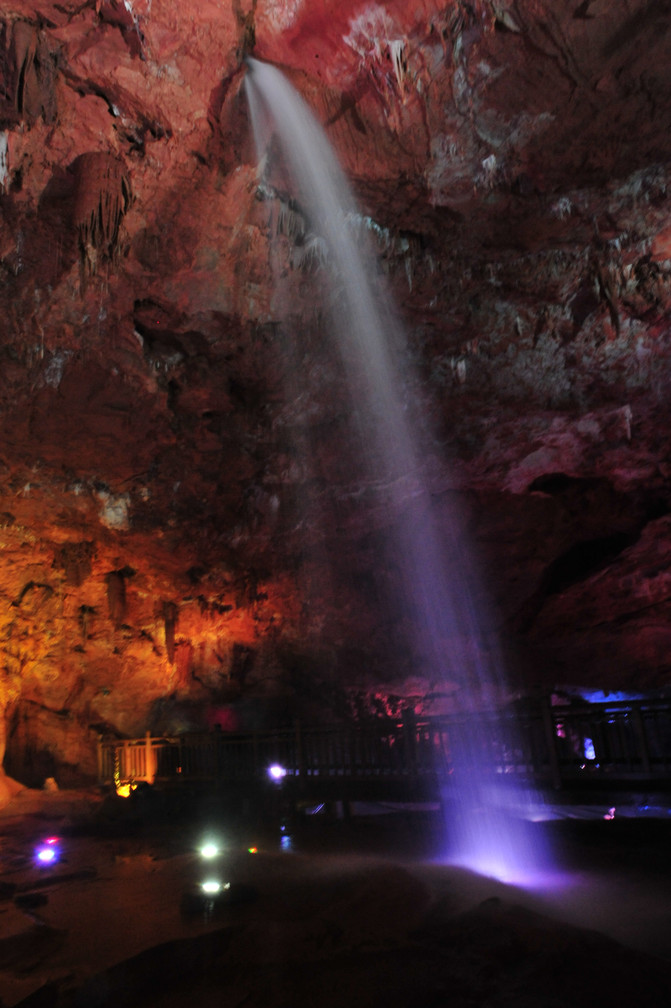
165 370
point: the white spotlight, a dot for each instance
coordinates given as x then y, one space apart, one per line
211 887
209 850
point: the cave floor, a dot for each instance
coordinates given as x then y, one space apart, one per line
360 912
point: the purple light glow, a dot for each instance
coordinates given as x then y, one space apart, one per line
47 855
436 579
530 879
277 772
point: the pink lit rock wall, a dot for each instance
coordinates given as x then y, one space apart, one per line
165 368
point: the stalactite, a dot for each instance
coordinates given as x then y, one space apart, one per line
290 222
169 612
116 596
247 27
116 593
34 74
397 55
102 198
75 560
85 615
4 160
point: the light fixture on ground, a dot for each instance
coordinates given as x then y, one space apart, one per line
48 851
212 887
210 850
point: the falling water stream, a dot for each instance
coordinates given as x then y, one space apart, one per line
439 581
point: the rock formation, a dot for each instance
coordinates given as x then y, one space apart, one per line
168 401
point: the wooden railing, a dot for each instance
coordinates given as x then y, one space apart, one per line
556 745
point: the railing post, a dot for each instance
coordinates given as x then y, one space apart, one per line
150 763
300 755
551 742
410 735
639 727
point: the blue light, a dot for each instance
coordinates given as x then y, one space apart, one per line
46 855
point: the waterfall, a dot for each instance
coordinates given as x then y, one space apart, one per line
440 584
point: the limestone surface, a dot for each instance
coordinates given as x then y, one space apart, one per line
178 530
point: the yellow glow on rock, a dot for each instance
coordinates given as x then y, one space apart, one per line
124 790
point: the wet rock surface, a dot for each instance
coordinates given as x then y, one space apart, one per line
357 912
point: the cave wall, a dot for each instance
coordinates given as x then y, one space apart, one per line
169 404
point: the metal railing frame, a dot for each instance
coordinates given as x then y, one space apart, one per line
558 745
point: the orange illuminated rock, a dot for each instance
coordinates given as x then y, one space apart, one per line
178 530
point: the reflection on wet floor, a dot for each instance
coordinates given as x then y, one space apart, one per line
123 885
